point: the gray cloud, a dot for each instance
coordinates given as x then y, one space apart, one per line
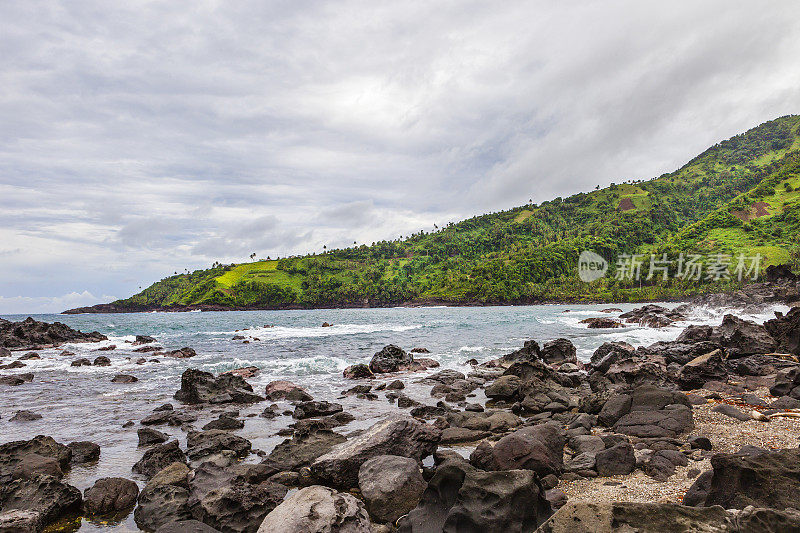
144 138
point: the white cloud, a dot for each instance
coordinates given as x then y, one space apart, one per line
42 304
142 138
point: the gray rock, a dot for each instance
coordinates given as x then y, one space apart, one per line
157 458
186 526
44 495
149 436
403 436
202 387
318 509
731 411
617 460
391 486
84 452
203 443
111 496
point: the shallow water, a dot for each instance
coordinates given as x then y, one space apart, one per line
81 403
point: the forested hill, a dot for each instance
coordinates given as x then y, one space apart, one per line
741 196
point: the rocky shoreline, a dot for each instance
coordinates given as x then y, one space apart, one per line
696 434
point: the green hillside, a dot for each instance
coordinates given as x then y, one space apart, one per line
739 196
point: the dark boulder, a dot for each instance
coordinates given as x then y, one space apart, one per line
559 351
786 331
609 353
302 450
164 499
358 371
124 378
403 436
390 358
460 498
202 387
225 423
102 361
391 486
286 390
159 457
84 452
529 352
150 436
602 323
537 448
203 443
316 409
43 495
12 454
33 464
787 383
698 492
652 316
31 333
743 337
765 479
702 369
25 416
111 496
614 461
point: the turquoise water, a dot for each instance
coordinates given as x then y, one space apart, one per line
80 403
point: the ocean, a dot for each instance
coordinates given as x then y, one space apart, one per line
81 403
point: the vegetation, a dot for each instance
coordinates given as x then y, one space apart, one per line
741 196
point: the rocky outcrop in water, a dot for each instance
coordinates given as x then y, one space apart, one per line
202 387
31 334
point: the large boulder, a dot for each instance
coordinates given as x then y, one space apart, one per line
787 383
391 486
702 369
609 353
314 409
616 460
12 454
742 337
529 352
765 479
46 496
460 498
403 436
233 498
537 448
504 388
652 316
302 450
655 412
286 390
390 358
202 387
165 498
111 497
786 331
559 351
318 509
158 457
84 452
203 443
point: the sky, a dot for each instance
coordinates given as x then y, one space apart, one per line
147 137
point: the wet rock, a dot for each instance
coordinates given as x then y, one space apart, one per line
652 316
111 497
233 498
462 498
12 453
25 416
742 337
602 323
164 499
81 362
84 452
587 444
149 436
302 450
529 352
186 526
13 365
456 435
537 448
559 351
33 464
44 495
504 388
315 409
318 508
390 358
358 371
13 381
204 443
183 353
225 423
786 331
102 361
617 406
124 378
609 353
30 356
143 339
286 390
30 333
157 458
309 425
18 521
403 436
765 479
391 486
622 517
244 372
202 387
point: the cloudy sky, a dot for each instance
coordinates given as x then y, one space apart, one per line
149 137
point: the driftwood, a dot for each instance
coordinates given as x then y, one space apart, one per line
791 413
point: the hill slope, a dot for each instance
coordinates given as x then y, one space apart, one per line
739 196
